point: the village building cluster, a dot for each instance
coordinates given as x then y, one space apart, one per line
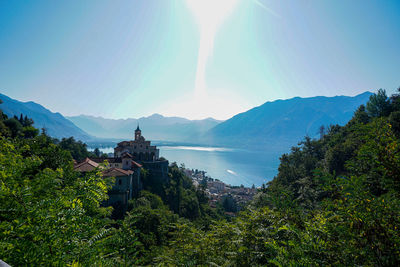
217 190
130 157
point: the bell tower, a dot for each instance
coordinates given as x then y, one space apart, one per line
138 133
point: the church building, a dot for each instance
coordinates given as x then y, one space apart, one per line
140 149
129 158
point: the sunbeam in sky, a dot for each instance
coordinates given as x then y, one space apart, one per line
263 6
193 58
209 15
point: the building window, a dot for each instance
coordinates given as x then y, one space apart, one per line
120 182
147 147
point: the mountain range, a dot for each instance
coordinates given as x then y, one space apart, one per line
274 125
55 124
155 127
284 122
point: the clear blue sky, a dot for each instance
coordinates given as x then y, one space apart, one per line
120 59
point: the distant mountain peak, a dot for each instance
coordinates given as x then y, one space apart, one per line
153 116
156 115
154 127
365 93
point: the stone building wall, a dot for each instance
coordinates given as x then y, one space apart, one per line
159 169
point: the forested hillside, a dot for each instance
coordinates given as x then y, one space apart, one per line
56 124
334 202
52 215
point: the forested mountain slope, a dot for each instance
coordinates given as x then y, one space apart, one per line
55 124
282 123
334 202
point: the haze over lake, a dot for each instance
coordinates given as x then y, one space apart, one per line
230 165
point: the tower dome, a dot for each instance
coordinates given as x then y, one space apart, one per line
138 133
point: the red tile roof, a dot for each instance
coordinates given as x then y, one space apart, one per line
115 172
86 166
136 165
110 160
126 155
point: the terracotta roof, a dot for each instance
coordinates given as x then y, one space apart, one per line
135 164
86 166
115 172
110 160
126 155
98 160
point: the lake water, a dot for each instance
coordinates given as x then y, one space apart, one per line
232 166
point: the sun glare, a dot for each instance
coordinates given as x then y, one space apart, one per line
210 13
209 16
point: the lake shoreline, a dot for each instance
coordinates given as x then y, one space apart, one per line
231 165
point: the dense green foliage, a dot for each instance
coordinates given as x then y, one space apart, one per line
77 149
335 201
52 215
49 214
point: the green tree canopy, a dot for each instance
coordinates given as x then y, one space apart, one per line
379 104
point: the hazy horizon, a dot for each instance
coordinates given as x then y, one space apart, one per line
171 116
